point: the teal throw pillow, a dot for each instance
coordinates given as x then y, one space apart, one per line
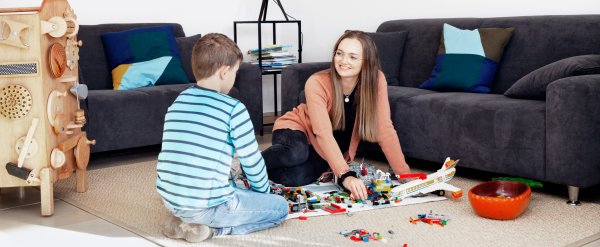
143 57
467 59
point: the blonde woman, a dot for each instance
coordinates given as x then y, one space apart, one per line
344 105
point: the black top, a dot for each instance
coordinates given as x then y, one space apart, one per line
343 137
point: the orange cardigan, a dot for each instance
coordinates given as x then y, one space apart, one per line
313 119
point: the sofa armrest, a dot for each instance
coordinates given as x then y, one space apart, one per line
248 83
573 131
293 78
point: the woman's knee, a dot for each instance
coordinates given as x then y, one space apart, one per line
297 153
289 148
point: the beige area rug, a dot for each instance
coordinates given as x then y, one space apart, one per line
126 196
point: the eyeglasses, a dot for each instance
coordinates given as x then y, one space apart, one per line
353 58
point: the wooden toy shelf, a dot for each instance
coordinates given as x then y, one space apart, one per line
41 140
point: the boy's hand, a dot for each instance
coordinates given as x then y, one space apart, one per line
356 187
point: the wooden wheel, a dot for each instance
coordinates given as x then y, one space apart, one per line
57 59
15 101
82 152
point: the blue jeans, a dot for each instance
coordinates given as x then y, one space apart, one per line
246 212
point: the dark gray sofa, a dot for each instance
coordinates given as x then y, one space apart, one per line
556 140
134 118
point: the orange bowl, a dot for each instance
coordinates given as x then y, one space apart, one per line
500 200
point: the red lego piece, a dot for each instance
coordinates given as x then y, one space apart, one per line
414 175
333 208
303 217
355 238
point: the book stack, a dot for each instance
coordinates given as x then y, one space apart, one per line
274 57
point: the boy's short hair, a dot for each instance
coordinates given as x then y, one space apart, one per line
211 52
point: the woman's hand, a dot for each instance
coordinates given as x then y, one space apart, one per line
356 187
347 157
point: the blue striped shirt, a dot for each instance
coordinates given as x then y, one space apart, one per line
203 129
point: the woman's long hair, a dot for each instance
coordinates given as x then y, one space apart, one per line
366 94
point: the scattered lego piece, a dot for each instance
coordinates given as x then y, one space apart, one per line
334 208
359 235
303 217
431 218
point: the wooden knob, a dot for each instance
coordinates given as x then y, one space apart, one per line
79 113
92 142
79 43
72 125
67 79
57 158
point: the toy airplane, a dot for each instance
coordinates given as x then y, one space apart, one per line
433 182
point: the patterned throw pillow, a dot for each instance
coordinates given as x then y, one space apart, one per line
467 59
143 57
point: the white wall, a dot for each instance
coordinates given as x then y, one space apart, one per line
322 20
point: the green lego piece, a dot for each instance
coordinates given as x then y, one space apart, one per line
529 182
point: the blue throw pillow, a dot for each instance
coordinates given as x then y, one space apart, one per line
467 59
143 57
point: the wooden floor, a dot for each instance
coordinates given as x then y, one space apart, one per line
269 118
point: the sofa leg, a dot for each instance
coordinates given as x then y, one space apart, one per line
573 195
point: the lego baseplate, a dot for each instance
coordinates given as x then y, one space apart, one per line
324 190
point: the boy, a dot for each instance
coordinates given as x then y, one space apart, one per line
203 128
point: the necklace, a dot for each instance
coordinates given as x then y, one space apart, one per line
347 96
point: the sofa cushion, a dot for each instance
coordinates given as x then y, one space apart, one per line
467 59
131 110
533 85
186 45
536 41
92 58
143 57
390 47
475 128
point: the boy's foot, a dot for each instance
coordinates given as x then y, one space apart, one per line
171 227
195 233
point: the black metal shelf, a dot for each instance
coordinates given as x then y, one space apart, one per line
273 72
